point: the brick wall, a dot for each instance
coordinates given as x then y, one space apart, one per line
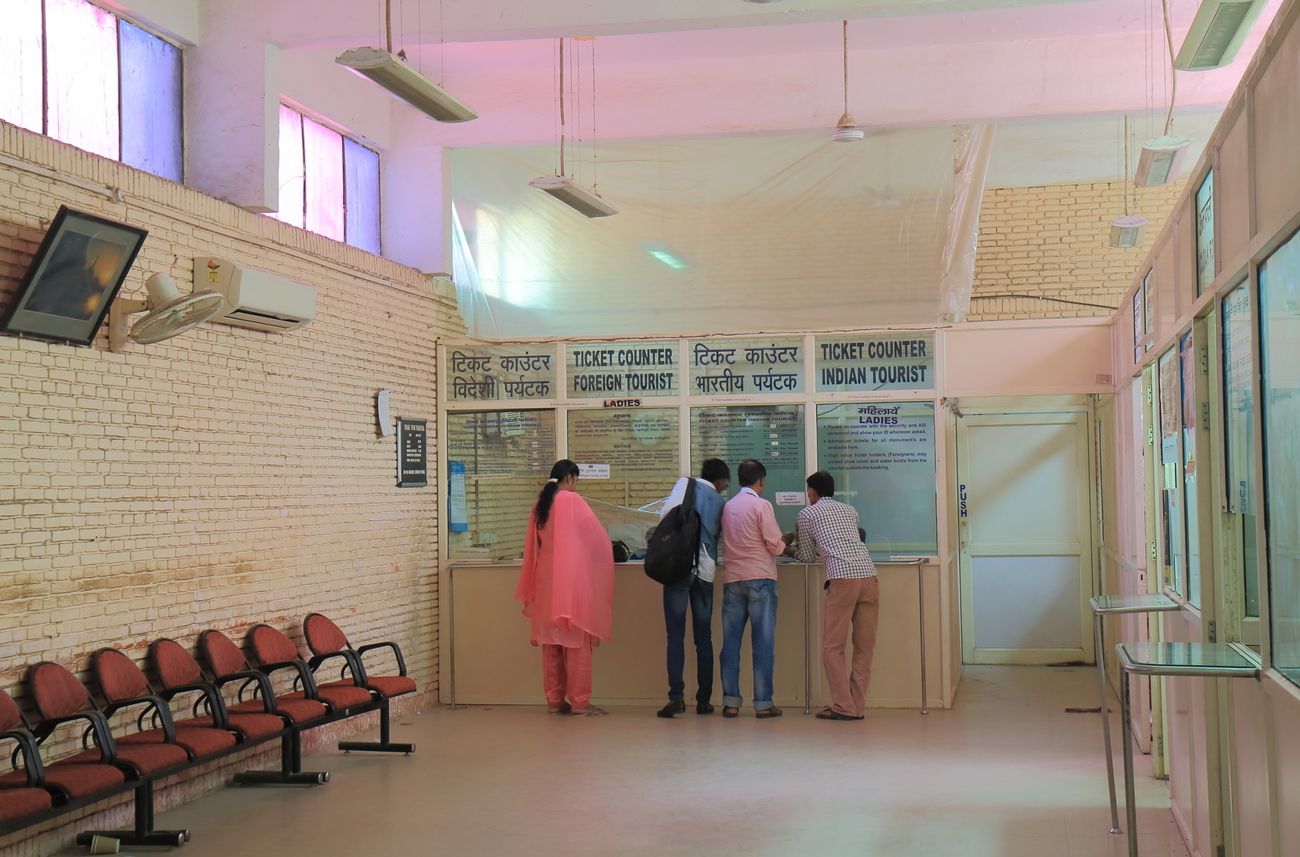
221 478
1054 242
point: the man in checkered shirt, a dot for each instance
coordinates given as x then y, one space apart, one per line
828 530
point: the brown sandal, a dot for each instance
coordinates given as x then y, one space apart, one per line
768 713
563 708
728 711
589 711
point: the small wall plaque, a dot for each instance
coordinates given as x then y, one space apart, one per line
412 456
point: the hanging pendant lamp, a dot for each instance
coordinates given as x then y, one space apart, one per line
847 130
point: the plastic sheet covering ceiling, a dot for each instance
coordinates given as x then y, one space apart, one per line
782 232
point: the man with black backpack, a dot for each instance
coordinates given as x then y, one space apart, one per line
702 500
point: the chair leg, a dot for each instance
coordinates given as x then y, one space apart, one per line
384 744
290 773
143 833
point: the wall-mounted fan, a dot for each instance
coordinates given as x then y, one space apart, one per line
169 313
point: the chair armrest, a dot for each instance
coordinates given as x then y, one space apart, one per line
98 725
251 677
31 755
387 644
351 664
155 704
209 694
299 666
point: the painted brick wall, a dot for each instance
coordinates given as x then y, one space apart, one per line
219 479
1054 242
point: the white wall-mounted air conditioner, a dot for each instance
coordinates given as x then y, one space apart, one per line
255 299
1217 33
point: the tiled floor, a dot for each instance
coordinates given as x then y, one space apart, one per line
1006 774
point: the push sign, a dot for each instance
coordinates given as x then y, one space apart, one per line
961 500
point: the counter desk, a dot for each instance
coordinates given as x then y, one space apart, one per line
487 658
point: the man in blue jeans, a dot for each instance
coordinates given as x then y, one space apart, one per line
752 541
696 591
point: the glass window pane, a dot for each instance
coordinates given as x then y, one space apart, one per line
497 461
1171 488
21 44
323 154
629 460
1239 407
1139 323
292 202
81 70
882 458
1187 362
361 195
151 102
773 434
1279 305
1148 309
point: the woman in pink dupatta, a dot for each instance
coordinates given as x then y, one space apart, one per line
567 586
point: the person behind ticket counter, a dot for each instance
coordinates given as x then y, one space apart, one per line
567 586
752 541
828 530
696 590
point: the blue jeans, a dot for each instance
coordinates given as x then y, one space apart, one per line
698 594
753 601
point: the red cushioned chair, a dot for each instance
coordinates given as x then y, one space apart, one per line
22 800
123 686
60 699
227 664
328 642
181 674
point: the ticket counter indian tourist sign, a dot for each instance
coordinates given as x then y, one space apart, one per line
748 367
622 370
867 363
490 373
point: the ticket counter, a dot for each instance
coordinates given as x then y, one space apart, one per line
487 659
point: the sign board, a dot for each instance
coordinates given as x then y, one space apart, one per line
412 458
865 363
791 498
771 365
593 471
500 372
618 370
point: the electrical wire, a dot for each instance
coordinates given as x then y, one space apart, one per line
846 66
1173 72
563 172
388 25
595 153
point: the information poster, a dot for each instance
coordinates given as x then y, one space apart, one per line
1239 398
1205 233
866 363
1139 324
630 443
488 373
412 460
772 434
457 512
770 366
882 458
614 370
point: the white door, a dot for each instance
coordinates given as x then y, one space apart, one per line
1026 537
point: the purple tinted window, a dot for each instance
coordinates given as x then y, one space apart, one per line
151 102
291 167
81 73
361 195
323 154
21 45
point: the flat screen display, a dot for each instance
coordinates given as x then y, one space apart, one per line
74 277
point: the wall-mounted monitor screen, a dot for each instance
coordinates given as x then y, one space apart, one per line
74 277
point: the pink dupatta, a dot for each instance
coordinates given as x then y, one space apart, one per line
567 582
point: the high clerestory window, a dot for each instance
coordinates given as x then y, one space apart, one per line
80 74
329 183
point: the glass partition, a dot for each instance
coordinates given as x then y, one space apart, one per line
882 457
1279 305
773 434
1171 488
1187 364
1239 409
497 461
629 460
1205 233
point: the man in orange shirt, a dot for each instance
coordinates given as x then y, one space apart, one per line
752 541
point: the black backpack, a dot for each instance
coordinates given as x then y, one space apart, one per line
674 548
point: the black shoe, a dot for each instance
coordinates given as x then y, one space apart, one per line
703 708
672 709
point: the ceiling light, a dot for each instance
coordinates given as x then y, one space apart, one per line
1160 159
667 258
393 74
1217 32
574 195
847 130
1126 231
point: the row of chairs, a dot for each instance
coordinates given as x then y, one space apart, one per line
163 743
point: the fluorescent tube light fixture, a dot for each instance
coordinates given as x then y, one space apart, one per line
1126 231
393 74
667 258
1160 160
574 195
1217 33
